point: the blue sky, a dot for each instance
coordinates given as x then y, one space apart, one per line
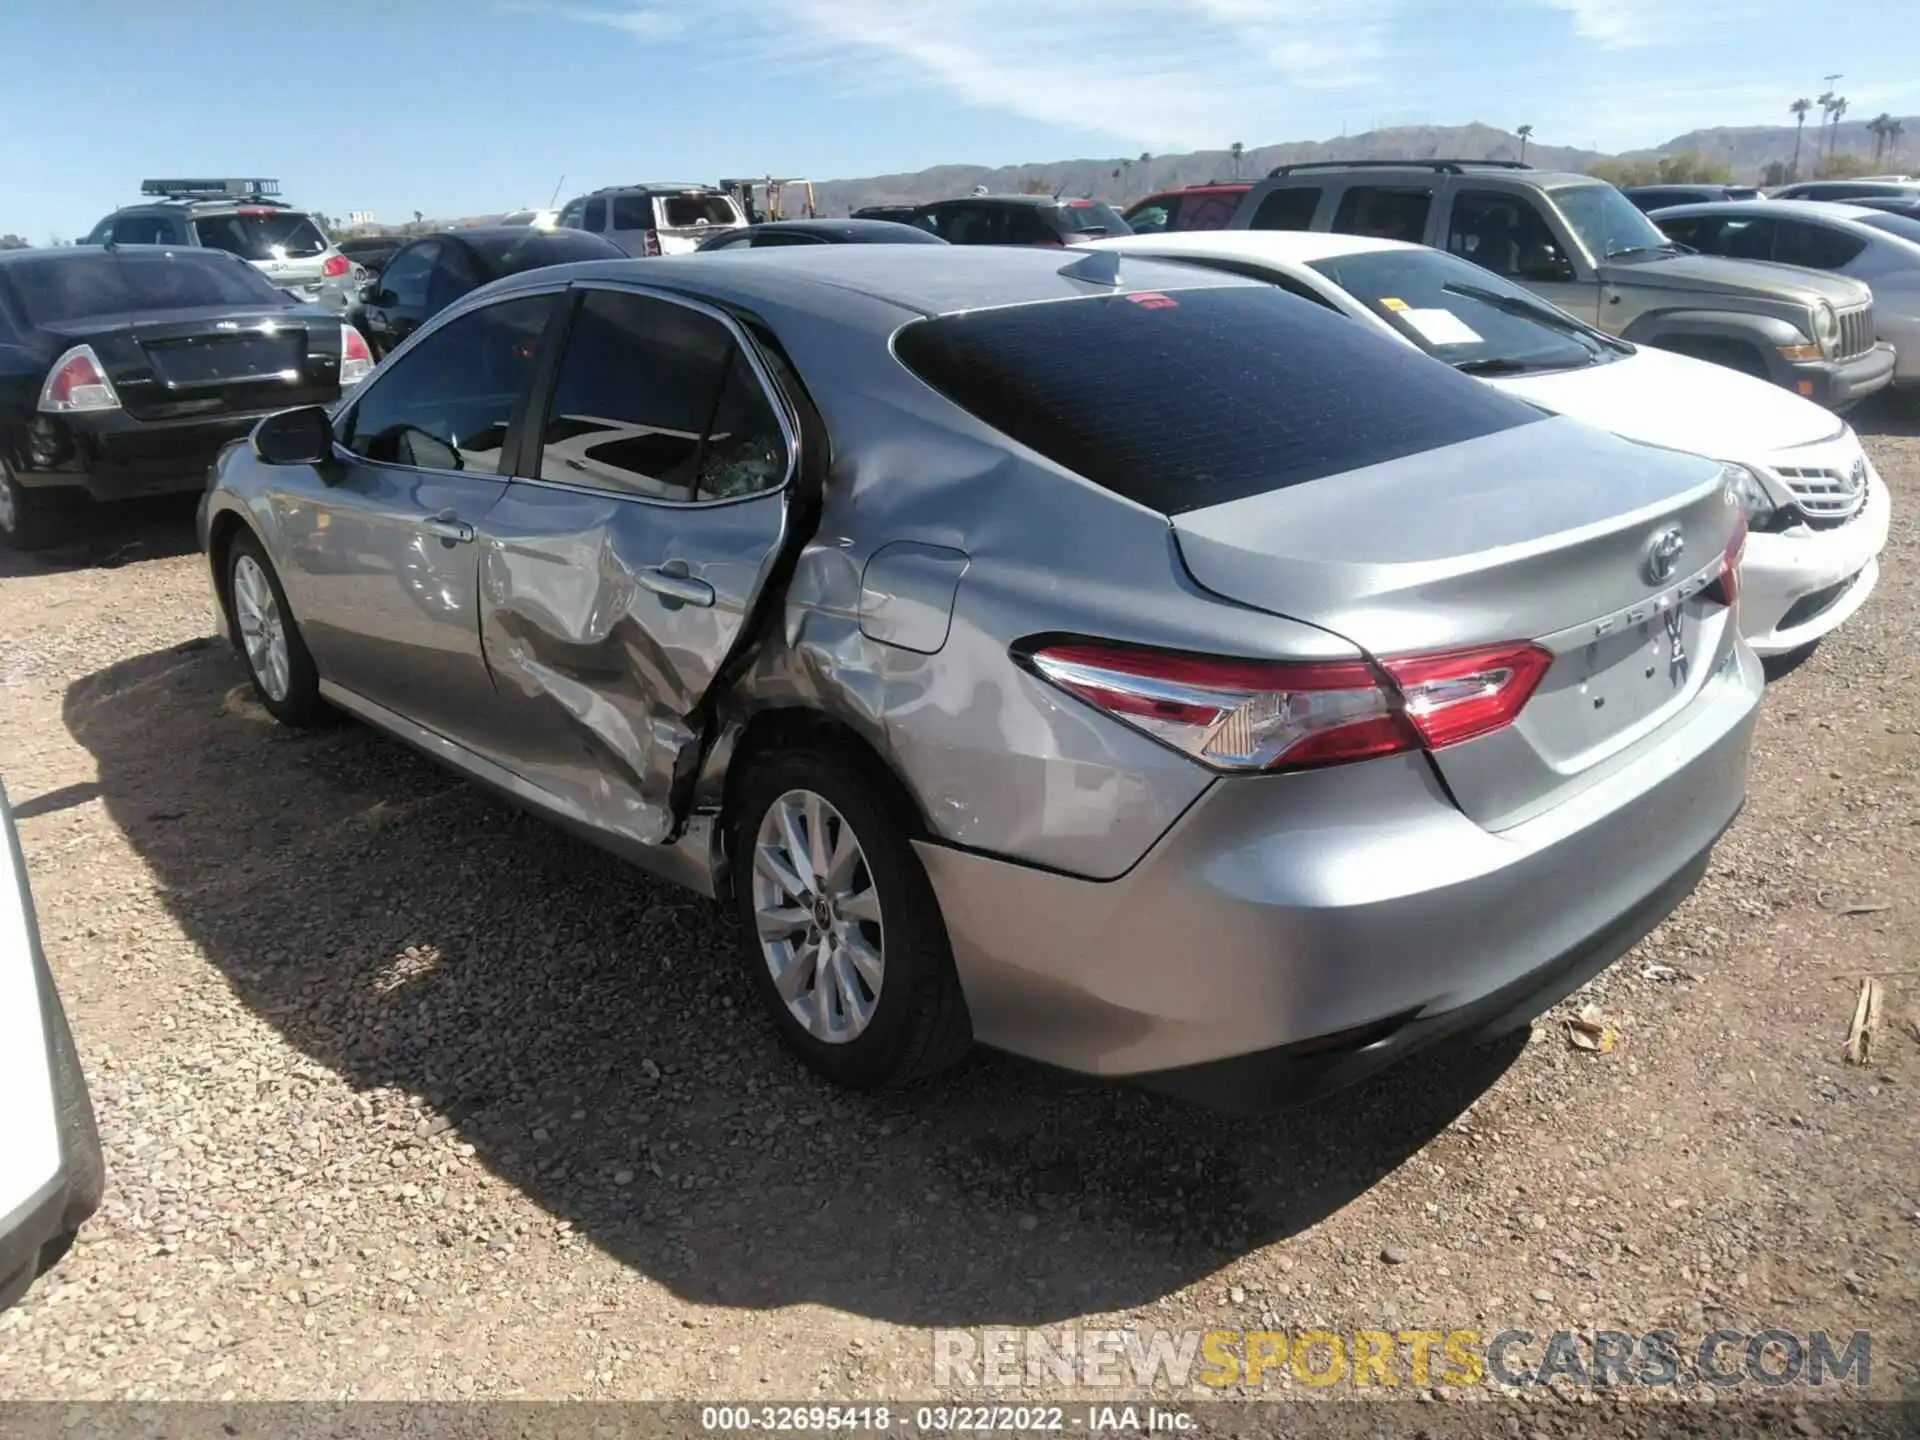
463 106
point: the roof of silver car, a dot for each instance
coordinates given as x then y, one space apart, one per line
926 279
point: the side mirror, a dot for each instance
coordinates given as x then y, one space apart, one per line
295 437
1546 266
370 292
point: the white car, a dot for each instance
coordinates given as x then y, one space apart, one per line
1817 512
51 1169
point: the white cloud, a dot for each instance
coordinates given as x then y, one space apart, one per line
1652 24
1160 73
641 21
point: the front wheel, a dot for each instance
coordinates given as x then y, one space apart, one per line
269 640
840 929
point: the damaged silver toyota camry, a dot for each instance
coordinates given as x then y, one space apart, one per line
1128 666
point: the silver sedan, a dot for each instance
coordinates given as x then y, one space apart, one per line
1880 248
1129 666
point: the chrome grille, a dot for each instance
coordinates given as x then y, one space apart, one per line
1856 332
1827 494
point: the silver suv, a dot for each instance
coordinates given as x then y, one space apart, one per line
656 218
245 217
1582 245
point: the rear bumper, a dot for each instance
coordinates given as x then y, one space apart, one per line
1839 384
116 457
1796 588
1311 928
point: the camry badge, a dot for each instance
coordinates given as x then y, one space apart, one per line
1663 555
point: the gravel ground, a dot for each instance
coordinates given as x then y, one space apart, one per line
406 1096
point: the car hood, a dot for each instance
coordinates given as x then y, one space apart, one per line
1679 403
1711 275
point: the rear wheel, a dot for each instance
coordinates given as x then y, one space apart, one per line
840 930
32 518
268 639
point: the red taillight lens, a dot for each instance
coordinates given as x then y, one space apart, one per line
1462 694
1730 564
335 266
356 356
652 246
77 383
1270 715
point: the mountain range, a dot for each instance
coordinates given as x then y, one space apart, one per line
1745 149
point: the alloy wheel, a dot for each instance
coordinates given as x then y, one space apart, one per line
262 631
818 917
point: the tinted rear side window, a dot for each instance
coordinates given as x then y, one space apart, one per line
1200 397
55 287
1289 209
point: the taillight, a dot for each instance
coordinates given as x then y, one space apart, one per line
1730 564
335 266
356 357
652 244
1241 715
78 383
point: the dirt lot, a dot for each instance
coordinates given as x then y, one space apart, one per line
404 1095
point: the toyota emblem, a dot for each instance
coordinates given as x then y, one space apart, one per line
1663 555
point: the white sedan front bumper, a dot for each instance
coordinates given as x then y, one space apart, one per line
1797 585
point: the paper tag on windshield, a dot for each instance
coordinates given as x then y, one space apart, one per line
1441 327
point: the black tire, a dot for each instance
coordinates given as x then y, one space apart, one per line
920 1024
34 518
301 707
79 1136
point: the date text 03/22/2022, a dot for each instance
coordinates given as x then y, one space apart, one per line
931 1420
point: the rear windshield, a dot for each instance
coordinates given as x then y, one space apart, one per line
511 254
72 286
1199 397
1090 217
270 235
1899 225
682 212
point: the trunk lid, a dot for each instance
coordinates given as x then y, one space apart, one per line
174 364
1546 533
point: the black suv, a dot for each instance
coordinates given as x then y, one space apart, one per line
1020 220
243 217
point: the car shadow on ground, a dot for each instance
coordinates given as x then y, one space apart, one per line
1890 413
111 535
590 1031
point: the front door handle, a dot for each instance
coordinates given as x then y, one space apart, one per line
672 582
449 526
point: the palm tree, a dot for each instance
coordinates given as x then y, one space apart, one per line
1237 150
1525 132
1799 109
1833 136
1877 127
1894 131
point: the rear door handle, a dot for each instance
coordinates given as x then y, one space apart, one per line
449 526
671 582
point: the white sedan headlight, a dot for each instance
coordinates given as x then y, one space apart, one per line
1750 493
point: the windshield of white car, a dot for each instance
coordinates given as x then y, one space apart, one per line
1610 225
1462 314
